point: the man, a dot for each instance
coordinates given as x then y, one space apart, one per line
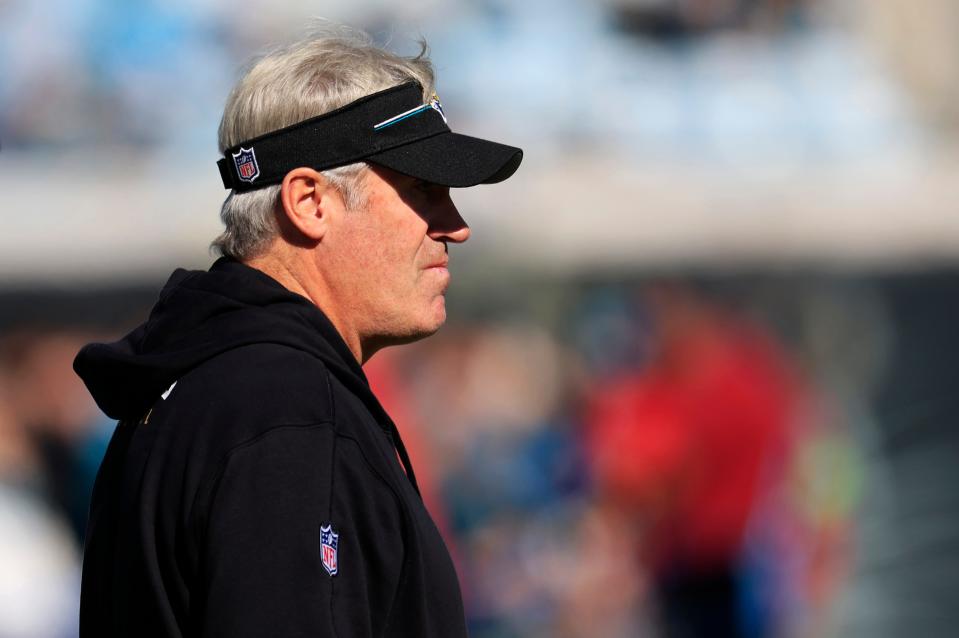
254 485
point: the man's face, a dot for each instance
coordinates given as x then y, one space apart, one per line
389 260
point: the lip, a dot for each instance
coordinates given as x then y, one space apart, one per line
444 264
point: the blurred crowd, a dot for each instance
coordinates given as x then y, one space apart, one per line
646 459
738 81
659 464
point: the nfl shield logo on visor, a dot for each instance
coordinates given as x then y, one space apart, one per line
246 167
329 540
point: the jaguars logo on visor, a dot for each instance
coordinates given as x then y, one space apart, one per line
438 107
434 104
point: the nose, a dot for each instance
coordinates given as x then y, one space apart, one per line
446 224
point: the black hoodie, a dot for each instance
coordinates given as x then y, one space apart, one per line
252 487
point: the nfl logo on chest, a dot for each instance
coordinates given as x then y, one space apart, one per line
329 540
246 166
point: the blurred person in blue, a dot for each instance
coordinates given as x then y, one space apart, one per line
510 474
254 485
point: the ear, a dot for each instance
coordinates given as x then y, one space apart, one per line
308 200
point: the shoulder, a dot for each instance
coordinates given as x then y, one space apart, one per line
262 383
274 409
236 398
253 397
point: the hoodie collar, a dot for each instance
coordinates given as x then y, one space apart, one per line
201 314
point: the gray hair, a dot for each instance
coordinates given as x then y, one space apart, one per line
323 72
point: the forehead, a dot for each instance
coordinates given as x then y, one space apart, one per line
381 178
384 186
381 190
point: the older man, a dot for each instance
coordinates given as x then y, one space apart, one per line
254 485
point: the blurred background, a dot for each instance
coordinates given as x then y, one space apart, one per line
699 374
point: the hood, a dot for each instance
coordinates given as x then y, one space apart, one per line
201 314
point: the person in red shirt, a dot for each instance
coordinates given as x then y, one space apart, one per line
686 446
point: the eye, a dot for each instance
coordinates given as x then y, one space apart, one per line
431 190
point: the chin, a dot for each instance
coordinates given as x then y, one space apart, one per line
430 326
430 322
415 331
415 328
439 312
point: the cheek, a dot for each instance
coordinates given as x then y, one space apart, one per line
385 254
384 271
395 256
366 250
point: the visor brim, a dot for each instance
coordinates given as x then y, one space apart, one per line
451 159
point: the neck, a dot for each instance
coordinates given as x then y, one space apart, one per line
298 273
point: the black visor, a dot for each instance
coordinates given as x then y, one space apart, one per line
392 128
